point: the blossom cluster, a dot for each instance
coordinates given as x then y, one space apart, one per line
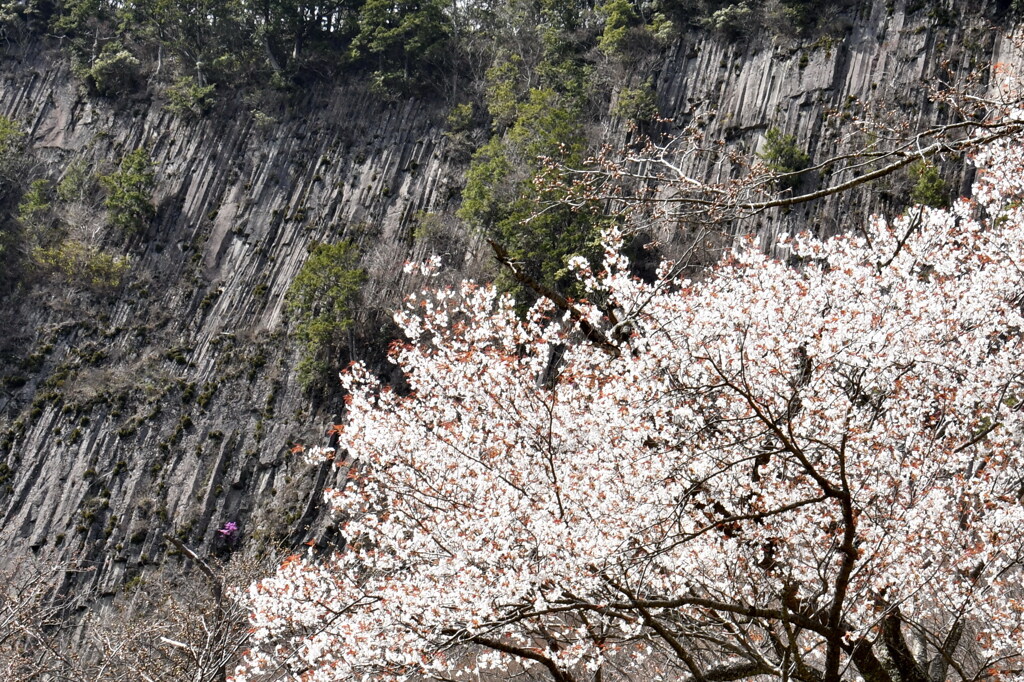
784 465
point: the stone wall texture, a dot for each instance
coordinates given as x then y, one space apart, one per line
171 405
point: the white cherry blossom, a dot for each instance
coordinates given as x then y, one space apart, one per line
809 470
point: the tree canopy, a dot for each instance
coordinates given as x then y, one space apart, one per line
805 469
320 302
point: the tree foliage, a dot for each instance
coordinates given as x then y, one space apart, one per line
320 303
783 470
188 99
114 70
929 188
637 104
784 157
13 162
83 264
55 237
403 45
619 17
400 39
129 192
12 141
748 18
227 42
538 102
504 188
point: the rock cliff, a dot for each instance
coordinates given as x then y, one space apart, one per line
171 406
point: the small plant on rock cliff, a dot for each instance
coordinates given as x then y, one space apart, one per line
113 72
11 163
78 182
188 99
54 250
929 187
733 21
129 192
637 104
39 227
460 118
12 140
320 302
784 158
34 210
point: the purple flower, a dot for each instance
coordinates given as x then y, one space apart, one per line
229 529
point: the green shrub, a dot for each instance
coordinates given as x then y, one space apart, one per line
929 188
459 130
662 28
34 208
460 117
637 104
784 158
83 264
12 164
39 226
320 303
507 183
549 124
134 583
12 146
503 89
188 99
44 238
114 71
489 186
77 183
800 15
12 139
129 192
619 17
732 21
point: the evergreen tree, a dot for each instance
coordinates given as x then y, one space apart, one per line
401 38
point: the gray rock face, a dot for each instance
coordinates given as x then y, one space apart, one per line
182 424
171 406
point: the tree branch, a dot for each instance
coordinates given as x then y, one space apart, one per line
590 332
557 673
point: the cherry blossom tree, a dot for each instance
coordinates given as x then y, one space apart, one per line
807 470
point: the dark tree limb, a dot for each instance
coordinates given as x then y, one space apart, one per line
939 666
557 673
867 662
590 332
892 634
